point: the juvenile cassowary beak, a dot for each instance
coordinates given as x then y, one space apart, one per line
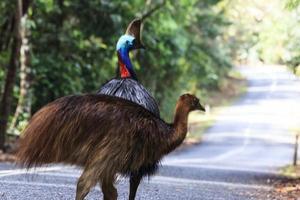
200 107
134 29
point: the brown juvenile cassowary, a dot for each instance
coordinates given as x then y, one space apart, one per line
105 135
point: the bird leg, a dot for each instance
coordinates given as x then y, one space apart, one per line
135 180
84 184
108 189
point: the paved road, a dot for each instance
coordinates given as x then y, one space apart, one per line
238 159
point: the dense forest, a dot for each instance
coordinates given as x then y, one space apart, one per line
52 48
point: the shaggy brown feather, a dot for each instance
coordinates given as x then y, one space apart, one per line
106 135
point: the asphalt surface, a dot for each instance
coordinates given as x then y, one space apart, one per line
238 159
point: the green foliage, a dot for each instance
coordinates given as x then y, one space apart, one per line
185 51
73 47
263 30
292 4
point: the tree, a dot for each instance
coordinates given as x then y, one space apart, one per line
6 100
292 4
24 101
72 48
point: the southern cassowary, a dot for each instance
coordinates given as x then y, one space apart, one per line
127 85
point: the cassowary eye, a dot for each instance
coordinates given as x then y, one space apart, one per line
195 101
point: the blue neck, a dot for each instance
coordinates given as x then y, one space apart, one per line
124 61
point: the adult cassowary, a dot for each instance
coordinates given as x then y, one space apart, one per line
127 86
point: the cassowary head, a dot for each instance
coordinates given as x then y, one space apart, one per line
132 38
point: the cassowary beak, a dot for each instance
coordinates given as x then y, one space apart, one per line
140 46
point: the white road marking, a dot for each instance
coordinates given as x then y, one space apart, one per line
156 180
11 172
55 185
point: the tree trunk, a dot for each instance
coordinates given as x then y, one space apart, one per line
6 32
24 102
6 99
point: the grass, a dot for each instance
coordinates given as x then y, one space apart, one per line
288 187
230 89
291 171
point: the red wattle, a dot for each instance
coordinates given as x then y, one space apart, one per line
124 71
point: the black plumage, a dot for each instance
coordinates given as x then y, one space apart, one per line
130 89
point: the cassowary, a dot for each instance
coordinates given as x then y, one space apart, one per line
127 85
105 135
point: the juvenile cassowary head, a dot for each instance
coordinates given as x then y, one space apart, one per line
132 38
191 102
